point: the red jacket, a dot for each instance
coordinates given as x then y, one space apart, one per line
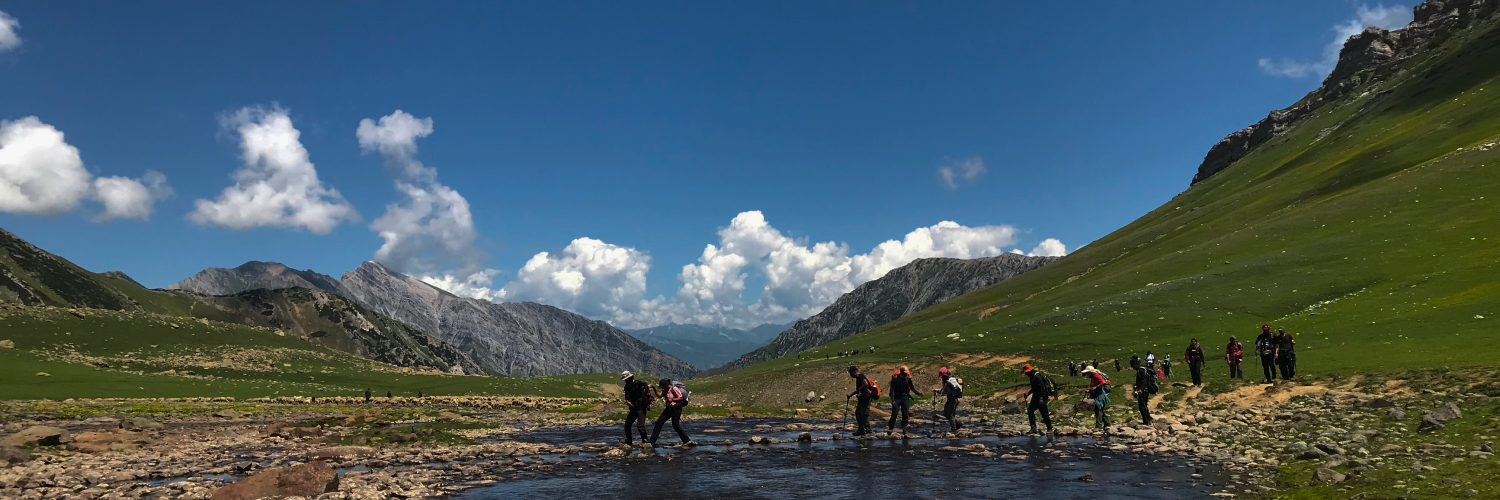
1234 352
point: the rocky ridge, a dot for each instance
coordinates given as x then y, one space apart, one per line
1370 57
905 290
515 339
254 275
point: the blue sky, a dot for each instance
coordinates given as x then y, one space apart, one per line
654 129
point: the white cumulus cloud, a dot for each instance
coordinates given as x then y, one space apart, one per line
607 281
9 39
40 173
1393 17
962 169
278 186
430 231
1049 247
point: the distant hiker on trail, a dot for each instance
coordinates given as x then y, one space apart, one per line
1265 345
954 389
1166 366
367 395
1286 353
1234 353
388 395
902 390
1195 361
1098 391
1150 360
1042 389
419 394
676 397
864 391
1145 386
1072 369
637 401
1117 364
1094 364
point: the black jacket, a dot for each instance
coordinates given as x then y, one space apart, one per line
1285 344
1142 379
901 387
862 388
1263 342
635 391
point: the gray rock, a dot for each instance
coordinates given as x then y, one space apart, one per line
1381 403
905 290
516 339
1330 449
1395 414
12 455
811 395
40 435
805 437
1329 476
1436 419
1312 454
140 424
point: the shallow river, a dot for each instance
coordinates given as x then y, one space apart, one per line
912 468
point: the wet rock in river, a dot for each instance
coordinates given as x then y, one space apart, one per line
11 455
40 435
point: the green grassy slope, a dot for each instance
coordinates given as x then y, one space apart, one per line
1376 246
112 354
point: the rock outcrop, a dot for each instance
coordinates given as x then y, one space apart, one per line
1369 56
254 275
905 290
517 339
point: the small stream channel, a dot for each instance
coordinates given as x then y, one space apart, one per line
1032 468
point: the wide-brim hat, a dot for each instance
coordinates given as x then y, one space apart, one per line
625 375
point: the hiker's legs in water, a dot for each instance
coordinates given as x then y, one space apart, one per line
1144 400
1197 369
950 412
677 424
633 418
901 408
1038 405
1268 365
661 420
862 417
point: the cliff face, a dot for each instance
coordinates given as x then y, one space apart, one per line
905 290
1370 56
252 275
518 339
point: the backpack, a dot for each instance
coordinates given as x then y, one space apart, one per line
682 389
958 387
1049 387
874 388
1151 386
1267 347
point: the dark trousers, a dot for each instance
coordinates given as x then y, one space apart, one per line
674 413
1197 369
636 417
900 407
1038 404
950 412
1288 367
1237 370
862 416
1166 370
1144 400
1101 419
1268 364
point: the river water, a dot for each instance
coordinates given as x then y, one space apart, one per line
1030 468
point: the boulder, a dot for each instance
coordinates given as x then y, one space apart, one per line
7 344
1381 403
40 435
1329 476
1312 454
307 480
1395 414
811 395
805 437
11 455
1011 408
140 424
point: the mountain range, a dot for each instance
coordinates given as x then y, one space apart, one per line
514 339
901 292
707 347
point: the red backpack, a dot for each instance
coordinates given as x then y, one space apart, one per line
874 389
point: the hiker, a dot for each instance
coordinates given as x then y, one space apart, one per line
676 397
902 391
1234 353
864 390
954 389
1265 345
419 394
1286 355
367 395
1117 364
1072 369
1195 360
388 395
1144 381
637 401
1042 389
1166 366
1094 364
1098 391
1150 360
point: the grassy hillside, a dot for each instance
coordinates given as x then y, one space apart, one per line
64 353
1368 231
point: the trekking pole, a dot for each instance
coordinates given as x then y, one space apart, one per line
845 426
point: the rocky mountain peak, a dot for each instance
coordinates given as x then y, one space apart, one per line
254 275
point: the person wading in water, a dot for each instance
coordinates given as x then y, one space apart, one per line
637 401
1042 389
954 390
901 394
676 397
865 391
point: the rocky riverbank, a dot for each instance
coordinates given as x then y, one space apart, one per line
1330 437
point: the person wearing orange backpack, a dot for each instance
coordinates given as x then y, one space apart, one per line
866 390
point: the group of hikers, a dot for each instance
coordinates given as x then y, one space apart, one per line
1277 353
640 395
